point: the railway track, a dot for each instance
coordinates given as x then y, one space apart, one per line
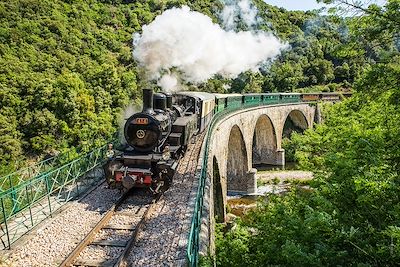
170 224
110 241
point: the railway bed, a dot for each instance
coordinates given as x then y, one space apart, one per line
163 241
112 238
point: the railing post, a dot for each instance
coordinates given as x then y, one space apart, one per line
5 222
29 203
10 182
48 194
14 201
75 178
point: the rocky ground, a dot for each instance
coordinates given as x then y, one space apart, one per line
279 181
282 176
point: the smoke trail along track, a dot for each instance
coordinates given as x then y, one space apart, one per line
114 251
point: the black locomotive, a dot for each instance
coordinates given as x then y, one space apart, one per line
157 137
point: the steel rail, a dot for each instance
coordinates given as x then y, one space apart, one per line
121 259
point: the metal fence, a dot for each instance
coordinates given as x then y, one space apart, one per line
194 234
29 202
17 177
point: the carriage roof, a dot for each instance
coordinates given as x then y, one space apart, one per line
199 95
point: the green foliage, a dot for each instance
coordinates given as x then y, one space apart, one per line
290 150
351 215
67 71
317 53
326 49
233 246
284 231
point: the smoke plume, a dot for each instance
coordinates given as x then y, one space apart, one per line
187 45
235 11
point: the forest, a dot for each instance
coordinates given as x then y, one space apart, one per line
67 74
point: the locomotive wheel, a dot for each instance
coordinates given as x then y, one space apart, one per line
167 182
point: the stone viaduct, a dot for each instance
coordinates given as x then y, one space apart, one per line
238 141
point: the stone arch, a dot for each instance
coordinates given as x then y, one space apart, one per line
237 163
264 141
219 208
294 121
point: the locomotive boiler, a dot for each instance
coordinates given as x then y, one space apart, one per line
155 139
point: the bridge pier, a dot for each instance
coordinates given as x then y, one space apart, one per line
252 181
269 157
280 157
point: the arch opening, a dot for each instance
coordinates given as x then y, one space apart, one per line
295 122
264 142
237 164
219 211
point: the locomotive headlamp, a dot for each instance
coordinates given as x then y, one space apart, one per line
166 154
140 134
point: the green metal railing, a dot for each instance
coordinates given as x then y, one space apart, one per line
29 202
194 235
17 177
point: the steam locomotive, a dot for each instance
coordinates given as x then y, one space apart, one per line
158 136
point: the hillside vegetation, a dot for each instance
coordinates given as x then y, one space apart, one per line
66 72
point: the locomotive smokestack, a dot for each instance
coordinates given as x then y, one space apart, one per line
169 100
148 100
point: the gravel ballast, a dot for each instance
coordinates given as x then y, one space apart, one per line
55 238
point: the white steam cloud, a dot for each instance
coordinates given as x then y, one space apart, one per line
169 82
238 10
187 45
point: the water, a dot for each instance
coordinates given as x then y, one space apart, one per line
289 166
240 203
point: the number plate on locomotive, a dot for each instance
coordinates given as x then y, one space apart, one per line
141 121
